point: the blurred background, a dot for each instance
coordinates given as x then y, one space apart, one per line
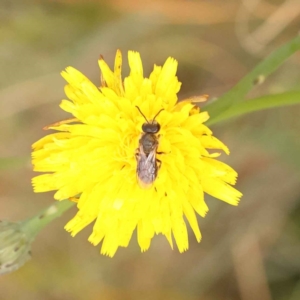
247 252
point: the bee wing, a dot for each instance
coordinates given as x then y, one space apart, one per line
146 168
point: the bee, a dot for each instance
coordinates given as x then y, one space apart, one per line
147 163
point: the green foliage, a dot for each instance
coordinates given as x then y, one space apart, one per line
219 110
257 104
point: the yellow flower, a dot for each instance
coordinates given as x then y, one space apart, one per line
92 159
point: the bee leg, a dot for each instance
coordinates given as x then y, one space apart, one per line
159 163
137 154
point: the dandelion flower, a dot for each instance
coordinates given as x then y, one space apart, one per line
91 158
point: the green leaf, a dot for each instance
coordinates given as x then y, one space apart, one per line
256 104
265 68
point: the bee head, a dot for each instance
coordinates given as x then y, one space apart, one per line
150 127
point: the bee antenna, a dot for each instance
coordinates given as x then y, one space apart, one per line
142 113
157 115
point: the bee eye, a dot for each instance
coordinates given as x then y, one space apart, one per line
157 127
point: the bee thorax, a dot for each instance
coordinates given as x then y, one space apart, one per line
149 142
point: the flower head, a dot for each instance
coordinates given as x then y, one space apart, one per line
98 158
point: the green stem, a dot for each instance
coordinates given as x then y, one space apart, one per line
35 224
261 103
262 70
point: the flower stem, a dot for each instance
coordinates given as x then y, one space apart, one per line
35 224
262 70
